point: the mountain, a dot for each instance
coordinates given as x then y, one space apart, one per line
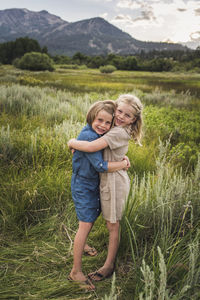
92 37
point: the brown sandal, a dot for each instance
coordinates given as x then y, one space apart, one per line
99 276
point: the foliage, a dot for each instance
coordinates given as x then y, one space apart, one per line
61 59
96 62
35 61
79 58
27 80
9 51
154 61
158 257
157 65
107 69
73 67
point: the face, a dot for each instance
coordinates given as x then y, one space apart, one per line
124 115
102 122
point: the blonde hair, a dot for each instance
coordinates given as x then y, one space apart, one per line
108 105
135 103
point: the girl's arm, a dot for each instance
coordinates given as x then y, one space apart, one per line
101 166
86 146
114 166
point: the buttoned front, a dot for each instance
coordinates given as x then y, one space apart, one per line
114 187
85 178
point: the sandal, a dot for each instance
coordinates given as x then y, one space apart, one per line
99 276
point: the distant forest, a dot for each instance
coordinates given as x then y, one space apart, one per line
154 61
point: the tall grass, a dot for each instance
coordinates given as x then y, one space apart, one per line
52 104
161 223
159 250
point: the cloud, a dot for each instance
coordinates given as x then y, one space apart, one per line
105 15
147 15
129 4
197 12
123 19
175 20
181 9
195 36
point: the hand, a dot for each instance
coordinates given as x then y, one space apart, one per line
128 162
125 165
70 143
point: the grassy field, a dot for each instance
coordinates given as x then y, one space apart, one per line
158 257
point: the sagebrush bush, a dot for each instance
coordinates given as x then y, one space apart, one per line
35 61
107 69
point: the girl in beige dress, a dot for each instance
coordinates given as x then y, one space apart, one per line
114 187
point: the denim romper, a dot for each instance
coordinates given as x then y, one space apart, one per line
85 178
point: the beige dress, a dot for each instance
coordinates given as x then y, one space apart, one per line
114 187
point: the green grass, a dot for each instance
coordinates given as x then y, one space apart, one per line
85 81
158 256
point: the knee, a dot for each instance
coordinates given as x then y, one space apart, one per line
85 225
113 227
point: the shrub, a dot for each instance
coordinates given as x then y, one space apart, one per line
27 80
72 66
16 62
107 69
35 61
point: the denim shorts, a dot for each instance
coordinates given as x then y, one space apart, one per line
87 214
85 194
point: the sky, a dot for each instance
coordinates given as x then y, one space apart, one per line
145 20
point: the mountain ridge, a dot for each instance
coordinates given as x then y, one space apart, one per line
94 36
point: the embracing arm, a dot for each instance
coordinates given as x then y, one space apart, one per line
114 166
97 145
101 166
86 146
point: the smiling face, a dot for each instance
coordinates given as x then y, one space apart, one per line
102 122
124 115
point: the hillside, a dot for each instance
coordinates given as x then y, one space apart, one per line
92 37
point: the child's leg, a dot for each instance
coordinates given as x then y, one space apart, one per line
113 229
79 244
108 266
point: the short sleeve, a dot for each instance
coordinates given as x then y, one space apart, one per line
116 137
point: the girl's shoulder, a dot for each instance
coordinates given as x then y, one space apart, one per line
116 129
117 137
119 130
88 134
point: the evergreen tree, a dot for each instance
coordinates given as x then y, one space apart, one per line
9 51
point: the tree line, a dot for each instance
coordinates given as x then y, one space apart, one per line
9 51
156 61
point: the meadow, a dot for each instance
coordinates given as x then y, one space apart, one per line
158 257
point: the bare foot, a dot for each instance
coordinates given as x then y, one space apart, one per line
101 274
83 282
77 276
91 251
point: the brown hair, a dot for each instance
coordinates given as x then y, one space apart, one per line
135 103
107 105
